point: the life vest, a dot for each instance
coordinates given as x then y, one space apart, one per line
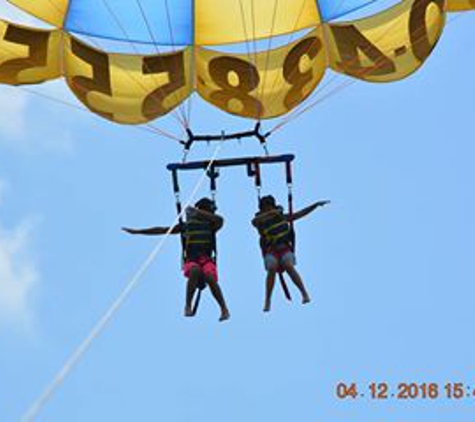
199 238
276 230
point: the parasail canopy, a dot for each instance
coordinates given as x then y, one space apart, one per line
188 38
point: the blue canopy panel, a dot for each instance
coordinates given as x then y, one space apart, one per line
123 20
166 22
334 9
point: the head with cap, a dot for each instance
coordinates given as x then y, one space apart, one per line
267 203
206 204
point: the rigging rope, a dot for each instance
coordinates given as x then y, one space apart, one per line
313 100
160 56
147 128
127 72
103 322
177 115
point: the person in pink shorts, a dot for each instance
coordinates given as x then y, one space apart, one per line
199 242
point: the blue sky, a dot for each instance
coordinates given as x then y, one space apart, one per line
389 264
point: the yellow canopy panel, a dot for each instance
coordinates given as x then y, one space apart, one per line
390 45
51 11
28 55
262 85
222 22
460 5
129 89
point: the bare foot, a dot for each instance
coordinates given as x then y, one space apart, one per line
189 312
225 315
306 299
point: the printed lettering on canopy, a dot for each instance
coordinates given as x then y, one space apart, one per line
128 89
262 85
28 55
390 45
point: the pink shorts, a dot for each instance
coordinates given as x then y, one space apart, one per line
275 259
205 264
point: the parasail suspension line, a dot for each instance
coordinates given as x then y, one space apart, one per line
74 359
255 133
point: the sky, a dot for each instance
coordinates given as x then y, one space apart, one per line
389 265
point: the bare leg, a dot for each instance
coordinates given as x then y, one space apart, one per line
218 295
191 287
295 277
270 283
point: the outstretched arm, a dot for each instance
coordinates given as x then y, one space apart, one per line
307 210
153 231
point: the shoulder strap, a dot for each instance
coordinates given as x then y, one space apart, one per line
179 209
214 247
285 288
290 196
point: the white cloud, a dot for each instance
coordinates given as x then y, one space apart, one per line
18 274
12 117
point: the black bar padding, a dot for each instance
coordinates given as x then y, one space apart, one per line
230 162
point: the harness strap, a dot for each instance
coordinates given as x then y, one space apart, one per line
197 301
201 286
290 199
257 179
273 238
179 209
285 288
213 175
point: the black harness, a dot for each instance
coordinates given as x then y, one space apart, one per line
199 238
276 231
